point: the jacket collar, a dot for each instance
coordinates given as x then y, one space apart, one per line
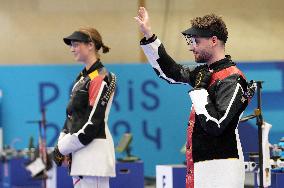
97 65
222 64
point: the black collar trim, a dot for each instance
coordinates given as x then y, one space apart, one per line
222 64
97 65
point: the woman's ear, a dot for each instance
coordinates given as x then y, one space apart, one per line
91 45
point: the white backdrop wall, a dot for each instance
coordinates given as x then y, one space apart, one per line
32 30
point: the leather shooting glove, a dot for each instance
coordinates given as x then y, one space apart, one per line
57 156
203 78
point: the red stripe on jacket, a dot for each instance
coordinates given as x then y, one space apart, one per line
94 88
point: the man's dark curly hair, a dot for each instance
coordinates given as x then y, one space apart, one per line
214 23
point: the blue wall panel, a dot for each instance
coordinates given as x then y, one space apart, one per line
154 111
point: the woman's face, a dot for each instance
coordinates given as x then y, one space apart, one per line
80 50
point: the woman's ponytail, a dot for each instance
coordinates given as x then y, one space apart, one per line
105 48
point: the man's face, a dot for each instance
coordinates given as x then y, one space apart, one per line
200 47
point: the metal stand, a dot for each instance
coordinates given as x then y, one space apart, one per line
259 122
42 143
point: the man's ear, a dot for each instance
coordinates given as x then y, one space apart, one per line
214 40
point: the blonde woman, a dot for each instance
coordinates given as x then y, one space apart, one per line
85 140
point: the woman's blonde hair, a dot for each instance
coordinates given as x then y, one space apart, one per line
95 37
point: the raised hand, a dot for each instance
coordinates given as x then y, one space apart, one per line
143 21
